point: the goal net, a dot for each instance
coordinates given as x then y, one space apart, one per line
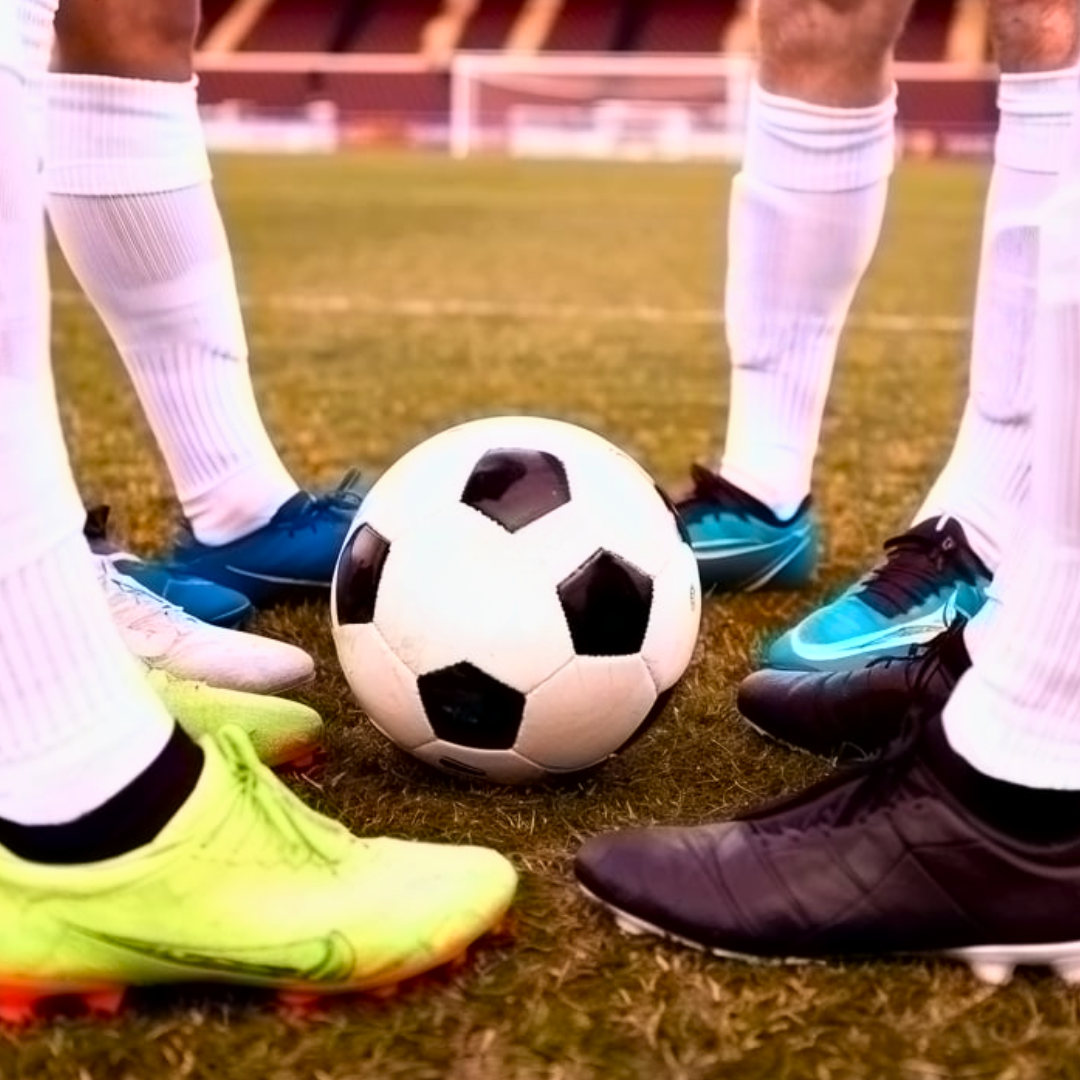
598 105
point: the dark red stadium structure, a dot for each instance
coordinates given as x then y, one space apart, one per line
417 91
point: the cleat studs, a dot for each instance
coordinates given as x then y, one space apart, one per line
104 1002
299 1001
629 926
994 972
18 1006
1068 971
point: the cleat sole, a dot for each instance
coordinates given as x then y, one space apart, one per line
992 964
24 1003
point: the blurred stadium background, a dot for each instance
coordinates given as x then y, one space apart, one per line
556 78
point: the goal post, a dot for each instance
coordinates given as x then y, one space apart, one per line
598 105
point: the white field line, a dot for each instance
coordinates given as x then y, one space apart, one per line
418 307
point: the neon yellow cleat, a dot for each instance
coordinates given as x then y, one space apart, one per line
282 731
245 885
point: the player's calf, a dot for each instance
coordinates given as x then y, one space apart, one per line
1035 35
836 53
133 39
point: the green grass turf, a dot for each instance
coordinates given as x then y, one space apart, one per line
581 292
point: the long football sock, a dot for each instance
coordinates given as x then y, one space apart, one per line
132 204
77 723
1016 714
806 213
985 479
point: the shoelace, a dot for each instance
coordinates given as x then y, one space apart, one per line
139 606
344 497
869 780
937 654
912 571
867 783
930 654
269 821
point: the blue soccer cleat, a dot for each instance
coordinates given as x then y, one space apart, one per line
930 577
202 599
740 544
289 558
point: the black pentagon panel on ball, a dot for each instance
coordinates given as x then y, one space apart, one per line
515 487
359 570
607 602
467 707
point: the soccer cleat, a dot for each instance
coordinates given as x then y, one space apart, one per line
740 544
202 599
283 732
843 714
930 577
165 637
291 556
245 885
876 860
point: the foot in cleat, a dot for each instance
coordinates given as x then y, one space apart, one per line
913 853
930 577
739 543
283 732
337 913
165 637
290 557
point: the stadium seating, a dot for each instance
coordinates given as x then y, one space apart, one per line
587 26
690 26
490 26
292 26
212 10
392 26
927 31
677 26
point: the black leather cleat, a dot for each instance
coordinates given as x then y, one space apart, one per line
847 714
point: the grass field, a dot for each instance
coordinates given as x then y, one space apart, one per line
390 297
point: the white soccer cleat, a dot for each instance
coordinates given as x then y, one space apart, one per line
165 637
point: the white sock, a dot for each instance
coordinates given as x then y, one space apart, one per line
131 202
77 723
806 213
986 476
1016 714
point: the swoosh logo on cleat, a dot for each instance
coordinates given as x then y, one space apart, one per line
330 959
274 580
908 633
733 548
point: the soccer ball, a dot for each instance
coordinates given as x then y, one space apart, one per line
514 600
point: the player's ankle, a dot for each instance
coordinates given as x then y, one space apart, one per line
134 816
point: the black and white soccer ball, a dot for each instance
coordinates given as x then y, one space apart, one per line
514 600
